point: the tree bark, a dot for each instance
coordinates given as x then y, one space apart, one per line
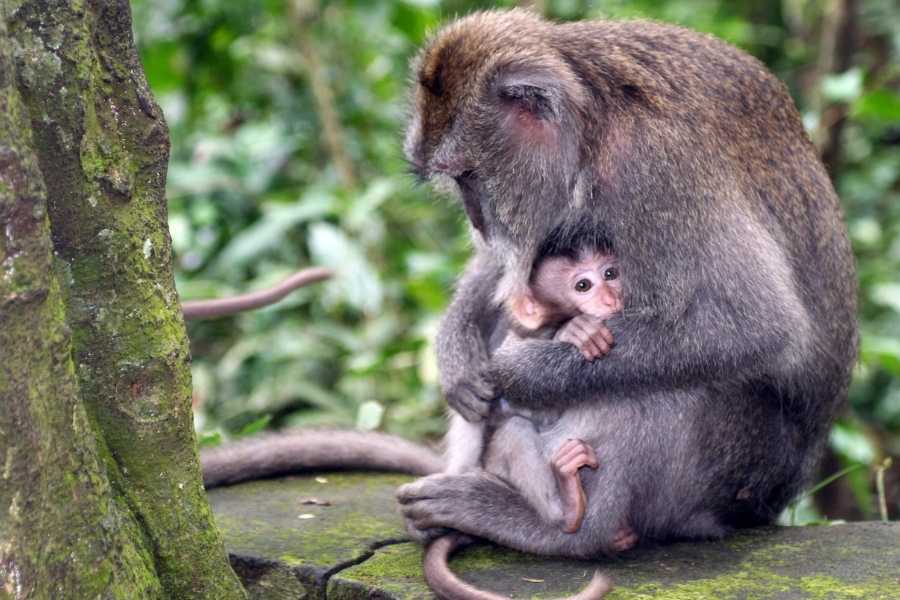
101 486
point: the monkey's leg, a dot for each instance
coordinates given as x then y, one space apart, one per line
570 457
481 504
464 444
516 453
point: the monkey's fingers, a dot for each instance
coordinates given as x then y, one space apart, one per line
577 333
409 493
604 332
583 457
598 332
425 534
568 449
574 454
471 399
483 386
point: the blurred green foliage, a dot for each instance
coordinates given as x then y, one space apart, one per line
286 122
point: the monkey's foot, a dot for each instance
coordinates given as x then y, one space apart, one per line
570 457
625 539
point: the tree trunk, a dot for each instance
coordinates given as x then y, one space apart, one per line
101 493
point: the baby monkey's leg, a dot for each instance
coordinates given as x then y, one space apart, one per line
464 444
515 453
570 457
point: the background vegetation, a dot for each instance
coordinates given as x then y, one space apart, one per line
286 122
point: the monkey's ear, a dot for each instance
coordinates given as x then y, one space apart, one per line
529 97
538 102
527 311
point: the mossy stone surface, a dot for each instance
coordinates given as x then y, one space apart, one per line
353 546
306 527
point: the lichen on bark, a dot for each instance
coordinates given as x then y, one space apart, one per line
63 532
101 351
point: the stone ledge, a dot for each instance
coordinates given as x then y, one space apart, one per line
340 536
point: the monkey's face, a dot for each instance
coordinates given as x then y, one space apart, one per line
590 284
562 288
495 113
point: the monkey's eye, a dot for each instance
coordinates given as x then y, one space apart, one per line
583 285
611 273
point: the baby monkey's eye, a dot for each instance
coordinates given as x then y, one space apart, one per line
611 273
583 285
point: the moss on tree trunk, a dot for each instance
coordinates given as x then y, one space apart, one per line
101 480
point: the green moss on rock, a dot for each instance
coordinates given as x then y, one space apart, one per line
356 542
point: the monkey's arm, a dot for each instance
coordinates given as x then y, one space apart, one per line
705 344
219 307
463 340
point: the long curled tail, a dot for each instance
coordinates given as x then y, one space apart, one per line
448 586
307 449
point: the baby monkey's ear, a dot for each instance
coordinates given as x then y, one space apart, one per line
527 311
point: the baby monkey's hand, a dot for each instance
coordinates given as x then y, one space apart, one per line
587 333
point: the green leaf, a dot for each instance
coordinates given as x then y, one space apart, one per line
208 440
270 230
843 87
369 415
878 105
362 209
888 409
254 426
884 351
852 444
356 281
887 294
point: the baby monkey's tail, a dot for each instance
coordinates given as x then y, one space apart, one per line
448 586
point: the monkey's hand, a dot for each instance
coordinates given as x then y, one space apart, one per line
471 396
587 333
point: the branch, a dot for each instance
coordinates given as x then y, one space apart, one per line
323 95
839 42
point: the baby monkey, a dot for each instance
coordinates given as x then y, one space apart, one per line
570 294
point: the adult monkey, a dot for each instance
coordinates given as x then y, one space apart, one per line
735 347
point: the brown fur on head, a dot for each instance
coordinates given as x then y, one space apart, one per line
492 109
646 126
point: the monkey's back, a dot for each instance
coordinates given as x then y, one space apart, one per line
731 137
736 344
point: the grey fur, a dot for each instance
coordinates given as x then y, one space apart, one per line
735 348
314 449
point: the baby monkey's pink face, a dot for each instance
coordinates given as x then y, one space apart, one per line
562 288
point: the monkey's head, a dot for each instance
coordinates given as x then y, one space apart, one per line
576 272
563 287
496 113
